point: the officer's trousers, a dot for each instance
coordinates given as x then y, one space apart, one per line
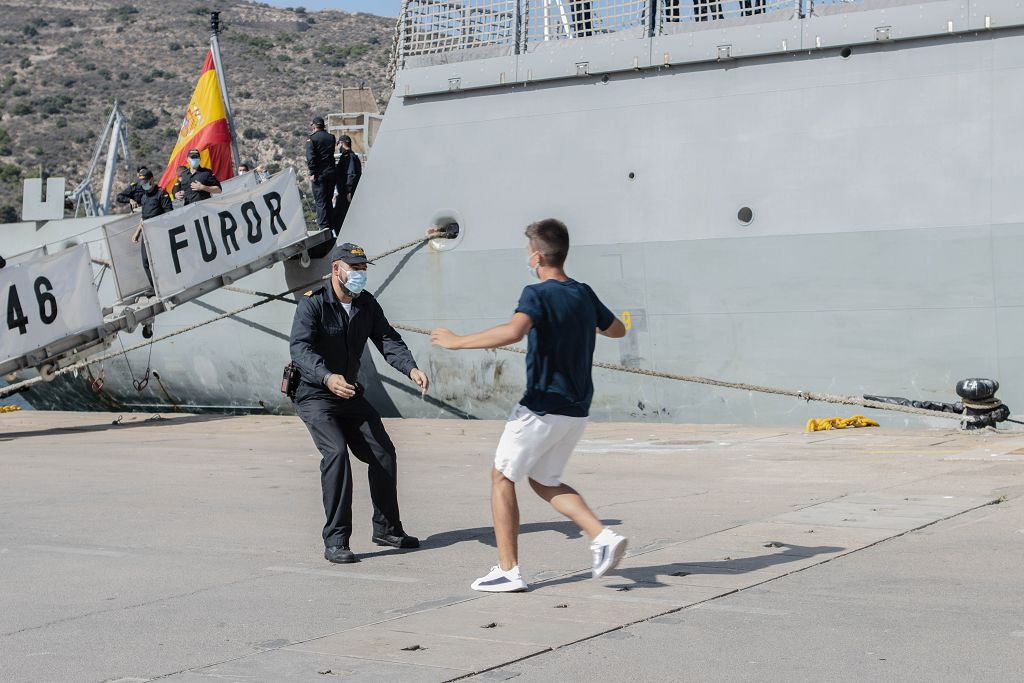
323 199
337 426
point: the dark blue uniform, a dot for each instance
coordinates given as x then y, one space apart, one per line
153 202
324 341
320 164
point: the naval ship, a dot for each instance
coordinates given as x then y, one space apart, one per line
808 194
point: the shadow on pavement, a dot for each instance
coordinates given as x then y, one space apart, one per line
154 421
648 577
485 535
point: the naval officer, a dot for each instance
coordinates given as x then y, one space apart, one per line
329 334
196 182
320 164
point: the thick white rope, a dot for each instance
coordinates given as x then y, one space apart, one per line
267 298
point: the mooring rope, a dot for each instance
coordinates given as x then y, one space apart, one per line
838 399
267 298
742 386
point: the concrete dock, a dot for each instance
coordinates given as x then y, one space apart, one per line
188 548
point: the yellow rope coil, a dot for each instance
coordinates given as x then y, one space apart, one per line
825 423
9 409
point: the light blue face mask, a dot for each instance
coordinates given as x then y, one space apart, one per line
355 282
533 270
147 186
193 164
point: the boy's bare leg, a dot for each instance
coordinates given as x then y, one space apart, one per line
566 500
505 509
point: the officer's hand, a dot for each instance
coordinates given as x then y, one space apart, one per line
132 203
421 380
196 185
339 386
444 338
180 194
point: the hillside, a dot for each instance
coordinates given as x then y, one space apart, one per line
62 64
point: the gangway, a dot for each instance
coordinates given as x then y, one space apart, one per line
138 303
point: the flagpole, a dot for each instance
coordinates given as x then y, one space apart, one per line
222 81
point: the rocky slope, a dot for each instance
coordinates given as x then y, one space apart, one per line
62 64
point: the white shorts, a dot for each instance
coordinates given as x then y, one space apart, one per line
537 446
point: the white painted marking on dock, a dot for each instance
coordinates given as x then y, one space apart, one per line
98 552
342 574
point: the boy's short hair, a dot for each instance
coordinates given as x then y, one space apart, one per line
551 238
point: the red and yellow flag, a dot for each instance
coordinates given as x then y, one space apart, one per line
205 127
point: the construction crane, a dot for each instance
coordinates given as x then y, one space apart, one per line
115 138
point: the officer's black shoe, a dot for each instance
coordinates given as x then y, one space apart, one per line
403 541
340 554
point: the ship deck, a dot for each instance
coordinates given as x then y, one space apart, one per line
189 548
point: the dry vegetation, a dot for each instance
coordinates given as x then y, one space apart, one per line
62 64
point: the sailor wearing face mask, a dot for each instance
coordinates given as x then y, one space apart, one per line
144 193
331 327
197 183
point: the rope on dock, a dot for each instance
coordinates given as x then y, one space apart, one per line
839 399
742 386
266 298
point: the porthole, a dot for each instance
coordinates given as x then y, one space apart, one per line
846 52
745 215
451 222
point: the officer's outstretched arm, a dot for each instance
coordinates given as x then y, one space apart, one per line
125 195
311 364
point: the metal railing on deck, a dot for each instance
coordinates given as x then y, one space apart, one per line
673 12
435 27
545 20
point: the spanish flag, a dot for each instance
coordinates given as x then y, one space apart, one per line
205 127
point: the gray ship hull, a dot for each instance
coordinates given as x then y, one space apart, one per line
881 254
881 258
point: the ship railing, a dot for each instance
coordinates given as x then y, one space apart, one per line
443 31
547 20
675 16
471 28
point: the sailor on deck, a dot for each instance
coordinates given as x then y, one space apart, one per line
329 334
197 183
153 201
322 174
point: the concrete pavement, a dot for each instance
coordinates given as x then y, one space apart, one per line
189 548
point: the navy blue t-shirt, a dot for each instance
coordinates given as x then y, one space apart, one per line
561 345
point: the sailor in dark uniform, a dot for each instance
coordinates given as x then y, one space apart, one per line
151 198
349 171
320 164
329 334
197 182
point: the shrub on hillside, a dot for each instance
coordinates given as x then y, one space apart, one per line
143 119
10 173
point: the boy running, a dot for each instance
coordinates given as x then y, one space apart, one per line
560 315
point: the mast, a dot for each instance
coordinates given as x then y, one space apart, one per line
222 81
117 128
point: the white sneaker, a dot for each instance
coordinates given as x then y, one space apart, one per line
498 581
607 551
